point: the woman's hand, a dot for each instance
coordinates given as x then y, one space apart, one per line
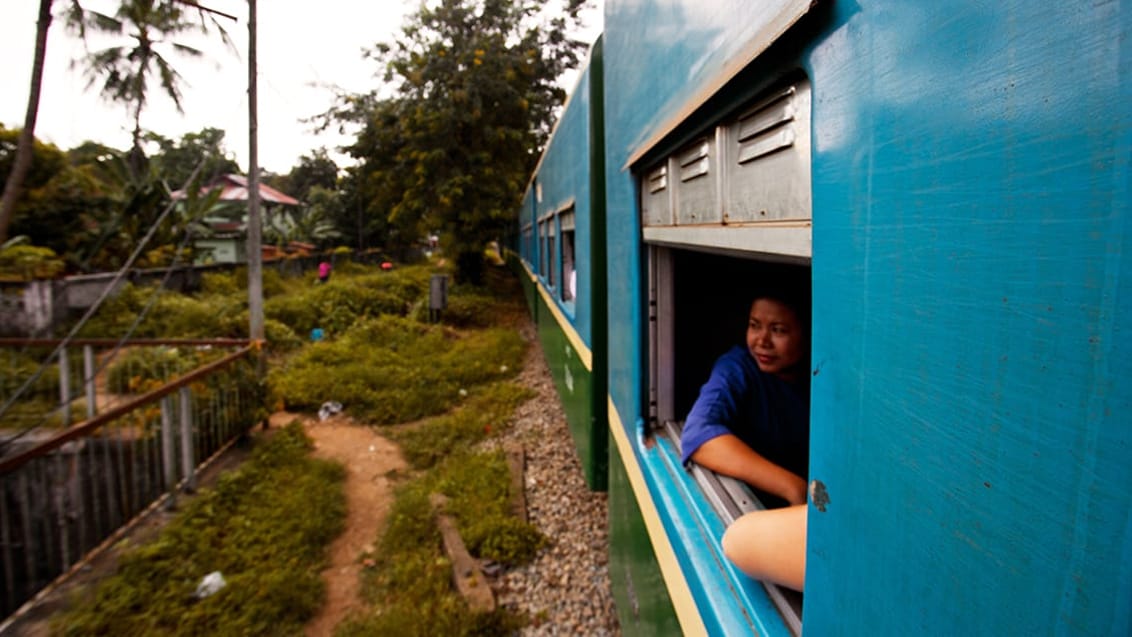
794 490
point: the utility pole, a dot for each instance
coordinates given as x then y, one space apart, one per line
255 228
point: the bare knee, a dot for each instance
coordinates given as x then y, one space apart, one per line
770 545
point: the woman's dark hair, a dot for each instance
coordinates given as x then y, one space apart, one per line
796 297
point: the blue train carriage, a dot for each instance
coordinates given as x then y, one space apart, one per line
562 264
952 180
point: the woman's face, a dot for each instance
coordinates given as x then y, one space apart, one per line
775 338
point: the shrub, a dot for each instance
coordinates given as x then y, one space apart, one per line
268 542
280 338
470 310
30 262
334 306
220 283
504 539
169 315
487 412
132 370
410 585
390 369
20 366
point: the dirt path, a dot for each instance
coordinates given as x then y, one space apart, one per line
369 459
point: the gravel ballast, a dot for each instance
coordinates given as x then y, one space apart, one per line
566 589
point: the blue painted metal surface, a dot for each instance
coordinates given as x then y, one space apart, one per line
657 57
971 397
565 177
719 589
572 331
971 262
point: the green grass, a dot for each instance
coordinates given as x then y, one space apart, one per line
487 412
264 527
409 588
389 370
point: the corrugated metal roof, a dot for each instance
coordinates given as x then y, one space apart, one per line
235 188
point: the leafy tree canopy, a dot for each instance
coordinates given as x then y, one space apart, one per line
175 161
62 198
89 205
47 159
476 95
314 170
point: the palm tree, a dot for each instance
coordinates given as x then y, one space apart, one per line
125 71
309 225
151 19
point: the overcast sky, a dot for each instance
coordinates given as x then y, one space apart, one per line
302 49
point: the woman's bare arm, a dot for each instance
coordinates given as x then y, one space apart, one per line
730 456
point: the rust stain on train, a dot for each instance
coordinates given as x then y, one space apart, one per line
818 495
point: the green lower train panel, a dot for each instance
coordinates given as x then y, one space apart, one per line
575 385
643 605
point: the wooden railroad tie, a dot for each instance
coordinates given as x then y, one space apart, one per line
517 461
466 573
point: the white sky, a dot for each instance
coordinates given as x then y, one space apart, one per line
301 49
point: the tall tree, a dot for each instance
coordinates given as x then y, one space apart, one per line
477 92
125 71
314 170
14 183
78 18
176 160
67 196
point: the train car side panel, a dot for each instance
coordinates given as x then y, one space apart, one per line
568 273
570 363
971 447
662 60
525 253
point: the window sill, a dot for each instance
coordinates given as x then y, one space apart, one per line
730 499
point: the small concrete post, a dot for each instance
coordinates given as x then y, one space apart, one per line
188 467
437 296
168 452
65 386
88 380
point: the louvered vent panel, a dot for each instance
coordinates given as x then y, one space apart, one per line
768 174
697 192
655 205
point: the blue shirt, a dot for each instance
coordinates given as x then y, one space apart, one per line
767 413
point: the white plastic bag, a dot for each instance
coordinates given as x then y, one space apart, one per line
210 584
328 409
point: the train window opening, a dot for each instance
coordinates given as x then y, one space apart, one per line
542 261
700 304
569 273
548 262
552 259
727 213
